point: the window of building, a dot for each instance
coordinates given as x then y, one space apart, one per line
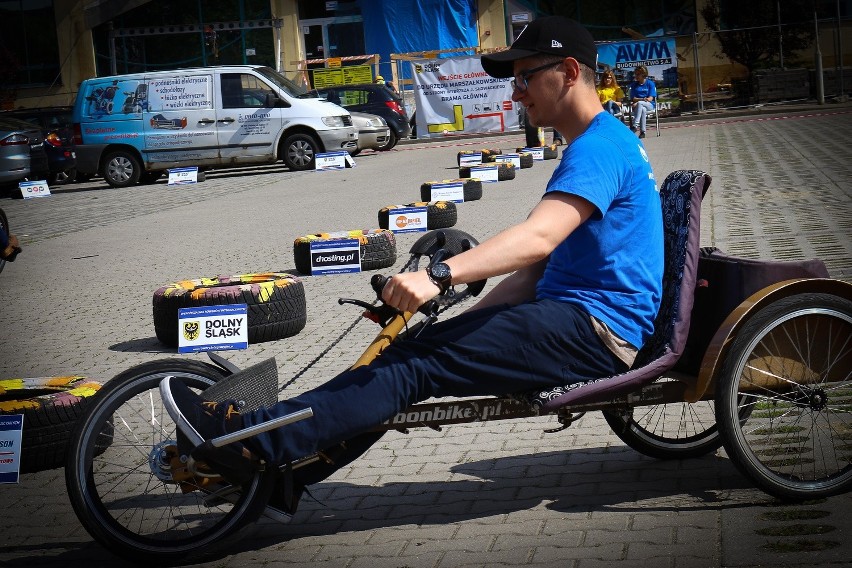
29 50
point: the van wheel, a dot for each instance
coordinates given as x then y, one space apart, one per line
121 169
300 151
392 140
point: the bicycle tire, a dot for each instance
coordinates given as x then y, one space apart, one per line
667 431
147 517
792 364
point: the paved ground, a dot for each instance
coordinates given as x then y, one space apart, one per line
78 300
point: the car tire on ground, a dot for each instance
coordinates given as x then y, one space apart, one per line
392 141
121 168
439 214
378 248
526 160
299 151
50 407
471 187
549 152
275 301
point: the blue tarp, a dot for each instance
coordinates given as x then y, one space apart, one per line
403 26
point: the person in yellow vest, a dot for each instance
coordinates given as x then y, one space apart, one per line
381 81
610 93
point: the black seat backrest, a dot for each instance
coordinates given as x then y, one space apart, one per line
680 197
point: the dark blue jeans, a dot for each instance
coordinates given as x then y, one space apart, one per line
493 351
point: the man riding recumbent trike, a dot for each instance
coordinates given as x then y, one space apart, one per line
752 355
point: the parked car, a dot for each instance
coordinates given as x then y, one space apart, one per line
373 99
55 125
22 154
373 132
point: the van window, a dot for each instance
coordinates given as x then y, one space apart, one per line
241 90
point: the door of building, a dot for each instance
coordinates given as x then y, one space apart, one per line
332 37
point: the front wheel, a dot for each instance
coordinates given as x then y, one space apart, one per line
126 484
392 140
791 366
121 169
299 151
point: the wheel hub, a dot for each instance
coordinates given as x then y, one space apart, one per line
817 399
160 460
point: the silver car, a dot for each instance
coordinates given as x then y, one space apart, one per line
373 132
22 155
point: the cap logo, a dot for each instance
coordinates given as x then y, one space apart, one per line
554 43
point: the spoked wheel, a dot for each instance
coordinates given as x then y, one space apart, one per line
791 364
129 489
667 431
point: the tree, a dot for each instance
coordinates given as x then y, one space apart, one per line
748 31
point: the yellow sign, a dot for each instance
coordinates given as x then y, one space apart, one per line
350 75
335 62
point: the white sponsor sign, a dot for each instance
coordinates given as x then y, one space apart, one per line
331 160
212 328
485 174
453 191
30 189
473 159
11 432
335 257
456 96
514 159
408 219
537 153
183 176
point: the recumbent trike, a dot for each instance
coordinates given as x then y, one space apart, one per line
752 355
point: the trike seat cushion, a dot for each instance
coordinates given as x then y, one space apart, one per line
680 196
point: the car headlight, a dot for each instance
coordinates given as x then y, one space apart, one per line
333 121
376 122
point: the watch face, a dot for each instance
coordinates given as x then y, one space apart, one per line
440 271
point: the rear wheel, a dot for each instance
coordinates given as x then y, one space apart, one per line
667 431
791 366
121 169
126 484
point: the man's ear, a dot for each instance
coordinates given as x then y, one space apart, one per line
572 71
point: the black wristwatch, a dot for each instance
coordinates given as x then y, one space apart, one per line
440 275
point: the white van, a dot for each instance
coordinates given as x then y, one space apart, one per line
131 128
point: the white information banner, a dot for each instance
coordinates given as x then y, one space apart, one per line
330 160
408 219
11 432
537 153
30 189
183 176
485 174
453 191
212 328
456 96
335 256
473 159
514 159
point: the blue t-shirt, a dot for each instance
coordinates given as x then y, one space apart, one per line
611 265
646 89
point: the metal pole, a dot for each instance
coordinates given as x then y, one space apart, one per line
780 40
113 65
820 87
698 89
842 95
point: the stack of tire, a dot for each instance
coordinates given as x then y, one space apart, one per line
50 407
439 214
378 248
488 154
275 303
505 171
549 152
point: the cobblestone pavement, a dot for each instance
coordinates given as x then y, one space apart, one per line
78 300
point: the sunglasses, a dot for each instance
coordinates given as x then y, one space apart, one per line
521 80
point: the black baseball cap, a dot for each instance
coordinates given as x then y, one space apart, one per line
551 35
